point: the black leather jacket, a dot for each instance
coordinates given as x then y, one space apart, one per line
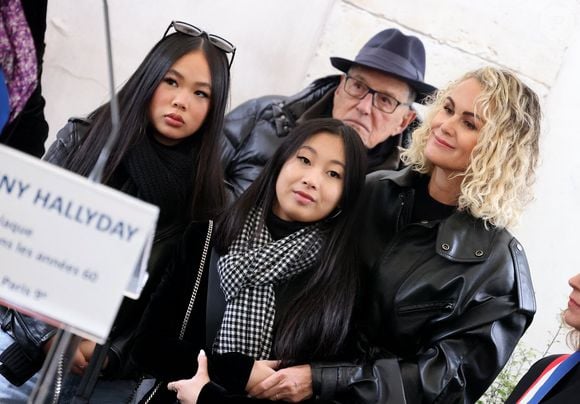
254 130
445 303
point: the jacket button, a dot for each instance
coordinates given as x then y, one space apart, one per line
519 247
478 253
445 247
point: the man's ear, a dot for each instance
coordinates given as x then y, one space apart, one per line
340 86
409 117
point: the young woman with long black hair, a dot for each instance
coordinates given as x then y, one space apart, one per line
285 282
171 116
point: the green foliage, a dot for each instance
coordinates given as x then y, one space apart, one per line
518 364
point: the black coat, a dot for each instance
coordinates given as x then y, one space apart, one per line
445 303
567 390
158 349
172 329
254 130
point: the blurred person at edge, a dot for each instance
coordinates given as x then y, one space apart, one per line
23 125
555 378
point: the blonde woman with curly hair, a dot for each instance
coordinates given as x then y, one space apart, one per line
493 180
446 289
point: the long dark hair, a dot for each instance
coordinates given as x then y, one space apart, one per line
134 98
317 326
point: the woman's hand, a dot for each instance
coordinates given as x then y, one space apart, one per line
188 389
83 355
79 360
293 384
260 372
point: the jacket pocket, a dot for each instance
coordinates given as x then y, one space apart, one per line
439 306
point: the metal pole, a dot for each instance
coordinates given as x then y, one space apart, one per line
96 362
97 171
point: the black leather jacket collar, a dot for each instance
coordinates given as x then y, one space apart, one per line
460 237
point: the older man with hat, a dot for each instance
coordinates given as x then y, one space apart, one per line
374 96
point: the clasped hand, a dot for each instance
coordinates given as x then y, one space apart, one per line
293 384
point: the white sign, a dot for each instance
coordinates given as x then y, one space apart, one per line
69 248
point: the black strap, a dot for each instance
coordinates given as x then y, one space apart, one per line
91 375
216 302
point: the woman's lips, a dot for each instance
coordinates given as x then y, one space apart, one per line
174 120
442 142
304 197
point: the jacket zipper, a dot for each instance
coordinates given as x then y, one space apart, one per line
58 380
435 306
153 393
192 298
197 280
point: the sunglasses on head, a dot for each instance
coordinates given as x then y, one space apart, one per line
192 30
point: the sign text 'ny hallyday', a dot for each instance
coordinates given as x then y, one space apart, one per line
70 248
67 208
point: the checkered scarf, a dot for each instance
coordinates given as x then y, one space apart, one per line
252 267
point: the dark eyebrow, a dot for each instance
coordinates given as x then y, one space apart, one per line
181 77
176 73
360 78
340 163
465 112
472 115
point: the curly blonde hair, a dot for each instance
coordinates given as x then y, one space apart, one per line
509 138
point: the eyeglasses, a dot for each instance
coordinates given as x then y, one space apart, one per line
192 30
383 102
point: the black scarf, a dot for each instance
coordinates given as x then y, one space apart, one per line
163 176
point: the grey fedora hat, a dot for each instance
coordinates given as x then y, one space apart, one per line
392 52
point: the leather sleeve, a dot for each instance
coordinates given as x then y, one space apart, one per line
66 140
238 125
458 358
27 331
25 356
249 141
361 383
457 368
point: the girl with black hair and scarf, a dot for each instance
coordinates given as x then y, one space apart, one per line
282 275
171 113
